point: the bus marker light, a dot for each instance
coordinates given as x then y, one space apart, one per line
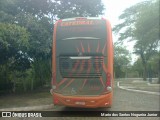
106 103
68 100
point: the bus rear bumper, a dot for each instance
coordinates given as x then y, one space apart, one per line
83 101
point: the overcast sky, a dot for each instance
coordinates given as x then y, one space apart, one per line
114 8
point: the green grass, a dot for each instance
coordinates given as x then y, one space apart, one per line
24 100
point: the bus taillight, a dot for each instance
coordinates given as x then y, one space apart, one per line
108 87
55 101
108 83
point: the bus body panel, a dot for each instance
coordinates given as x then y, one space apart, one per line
84 84
83 101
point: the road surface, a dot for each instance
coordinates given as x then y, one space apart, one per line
122 101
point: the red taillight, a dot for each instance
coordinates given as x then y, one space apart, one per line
108 83
108 87
55 101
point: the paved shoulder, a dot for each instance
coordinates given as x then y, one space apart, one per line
139 86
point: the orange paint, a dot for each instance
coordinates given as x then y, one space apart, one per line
54 55
99 101
68 83
110 50
102 100
82 48
88 70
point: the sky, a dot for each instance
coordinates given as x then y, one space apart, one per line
113 9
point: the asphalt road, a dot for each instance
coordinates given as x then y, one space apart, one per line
122 101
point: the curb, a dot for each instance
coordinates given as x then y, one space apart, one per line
31 108
149 84
141 91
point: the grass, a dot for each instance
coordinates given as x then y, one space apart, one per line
41 97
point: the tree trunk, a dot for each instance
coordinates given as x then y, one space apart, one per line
32 84
14 86
144 72
24 82
14 77
159 71
144 67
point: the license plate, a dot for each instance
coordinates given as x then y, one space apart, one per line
80 103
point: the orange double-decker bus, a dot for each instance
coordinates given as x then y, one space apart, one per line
82 63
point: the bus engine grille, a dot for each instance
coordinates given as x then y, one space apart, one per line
81 68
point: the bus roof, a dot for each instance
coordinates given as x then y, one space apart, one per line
83 18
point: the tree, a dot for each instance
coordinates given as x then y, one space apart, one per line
154 66
138 67
32 63
121 60
78 8
9 7
13 42
59 9
141 24
13 51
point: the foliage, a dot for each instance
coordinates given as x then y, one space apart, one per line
138 67
40 33
76 8
122 59
26 28
13 42
137 20
141 24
